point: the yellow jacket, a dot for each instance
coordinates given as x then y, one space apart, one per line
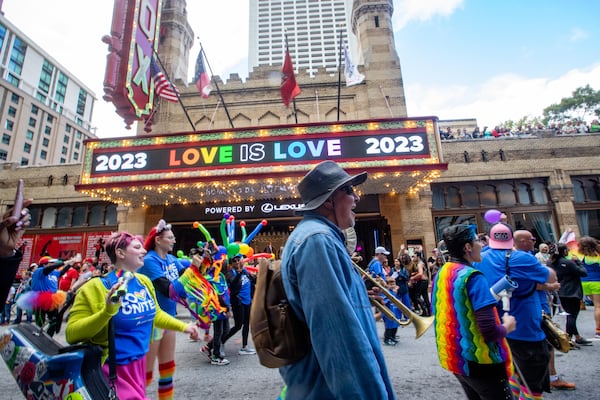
89 316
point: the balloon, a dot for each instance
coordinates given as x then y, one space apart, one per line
233 249
243 225
250 252
255 231
222 252
244 248
223 230
492 216
195 224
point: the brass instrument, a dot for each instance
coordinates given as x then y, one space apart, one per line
421 324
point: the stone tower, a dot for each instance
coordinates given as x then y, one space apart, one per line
176 39
372 25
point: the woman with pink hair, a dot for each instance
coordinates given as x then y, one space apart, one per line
128 300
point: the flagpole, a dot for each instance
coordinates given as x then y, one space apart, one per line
339 93
174 89
216 85
287 48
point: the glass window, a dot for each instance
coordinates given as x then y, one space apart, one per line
17 57
589 222
66 139
45 142
96 216
15 98
2 35
64 217
9 125
32 122
111 215
79 216
538 223
35 216
81 100
49 118
506 195
45 78
24 161
76 156
27 148
453 198
6 138
43 154
442 223
47 130
64 151
61 88
470 196
12 111
488 195
34 109
49 218
524 191
29 134
540 194
3 155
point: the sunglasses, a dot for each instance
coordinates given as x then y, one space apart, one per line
347 189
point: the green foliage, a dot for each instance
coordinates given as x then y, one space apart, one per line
584 102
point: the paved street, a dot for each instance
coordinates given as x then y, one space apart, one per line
412 363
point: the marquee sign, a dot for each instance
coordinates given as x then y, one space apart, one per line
240 162
132 42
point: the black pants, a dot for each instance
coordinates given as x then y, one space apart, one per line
390 333
532 358
219 329
571 305
241 318
485 388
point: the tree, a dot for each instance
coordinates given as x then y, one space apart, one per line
585 102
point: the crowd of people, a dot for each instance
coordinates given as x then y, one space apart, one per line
487 292
570 127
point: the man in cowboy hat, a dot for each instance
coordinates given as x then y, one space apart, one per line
345 359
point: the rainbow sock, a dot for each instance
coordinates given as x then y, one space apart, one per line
165 380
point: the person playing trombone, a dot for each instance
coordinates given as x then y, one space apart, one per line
471 340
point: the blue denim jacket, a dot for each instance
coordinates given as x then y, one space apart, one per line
323 288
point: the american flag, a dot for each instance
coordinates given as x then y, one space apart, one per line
162 86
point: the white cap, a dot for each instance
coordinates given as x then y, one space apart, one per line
382 250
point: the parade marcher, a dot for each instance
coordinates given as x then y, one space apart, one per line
401 276
376 264
471 340
134 315
327 293
162 268
589 250
240 283
569 272
527 342
391 326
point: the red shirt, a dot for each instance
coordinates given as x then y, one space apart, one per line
67 279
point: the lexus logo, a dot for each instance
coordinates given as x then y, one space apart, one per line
267 208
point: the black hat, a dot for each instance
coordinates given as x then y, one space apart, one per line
321 181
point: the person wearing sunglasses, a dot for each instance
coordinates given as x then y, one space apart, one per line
327 293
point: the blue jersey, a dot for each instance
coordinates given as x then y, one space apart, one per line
44 283
525 304
156 267
133 322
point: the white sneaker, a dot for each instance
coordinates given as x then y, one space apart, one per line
219 361
246 350
222 352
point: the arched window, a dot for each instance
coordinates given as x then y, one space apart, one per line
524 191
506 195
64 217
488 196
111 215
79 216
96 216
540 194
470 196
49 218
453 197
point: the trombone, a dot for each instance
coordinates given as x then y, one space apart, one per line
421 324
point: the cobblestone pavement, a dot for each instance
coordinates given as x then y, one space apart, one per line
413 367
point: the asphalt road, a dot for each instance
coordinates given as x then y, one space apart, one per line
413 366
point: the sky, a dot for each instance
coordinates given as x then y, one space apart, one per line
493 60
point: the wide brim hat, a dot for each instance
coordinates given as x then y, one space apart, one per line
322 181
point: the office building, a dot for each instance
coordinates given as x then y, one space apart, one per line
45 110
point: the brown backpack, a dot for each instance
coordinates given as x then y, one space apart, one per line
279 336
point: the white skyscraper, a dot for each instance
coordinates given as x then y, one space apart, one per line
313 28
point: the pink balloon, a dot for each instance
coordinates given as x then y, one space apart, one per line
492 216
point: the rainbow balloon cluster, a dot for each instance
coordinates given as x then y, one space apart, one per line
200 286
